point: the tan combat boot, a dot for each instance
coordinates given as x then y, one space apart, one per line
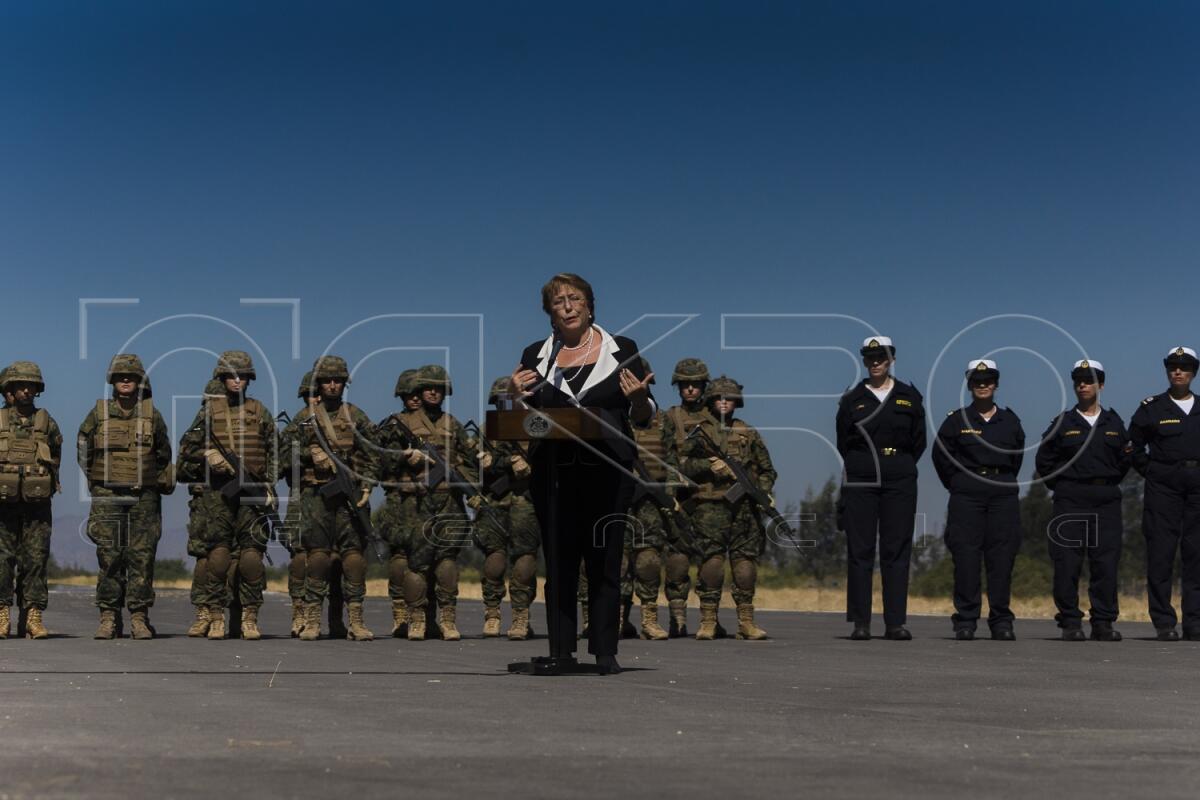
399 618
416 625
519 630
200 625
216 622
139 626
312 623
491 623
678 625
34 629
357 632
250 623
747 629
5 621
108 625
708 622
297 616
650 627
446 623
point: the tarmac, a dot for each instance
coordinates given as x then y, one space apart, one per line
809 713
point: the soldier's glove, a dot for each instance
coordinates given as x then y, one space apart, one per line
415 457
321 460
485 459
475 501
520 467
272 499
217 462
720 468
365 499
678 506
771 499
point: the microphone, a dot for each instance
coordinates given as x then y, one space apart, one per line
555 349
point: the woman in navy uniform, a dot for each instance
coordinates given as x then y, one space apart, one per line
1165 440
979 452
881 436
1083 457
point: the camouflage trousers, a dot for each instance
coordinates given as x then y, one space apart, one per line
651 529
238 534
327 526
125 526
431 528
25 546
394 524
507 532
732 531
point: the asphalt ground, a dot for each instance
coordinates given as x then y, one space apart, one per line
807 713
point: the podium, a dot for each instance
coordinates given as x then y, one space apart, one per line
552 425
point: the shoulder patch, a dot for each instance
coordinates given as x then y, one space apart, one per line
951 413
1149 399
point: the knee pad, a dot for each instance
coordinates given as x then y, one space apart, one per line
745 573
318 564
298 566
354 566
446 574
677 567
712 571
250 565
493 566
647 565
218 562
397 567
414 589
524 570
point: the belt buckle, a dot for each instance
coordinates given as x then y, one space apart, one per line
888 451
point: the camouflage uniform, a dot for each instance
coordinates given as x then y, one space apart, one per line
126 456
290 538
332 429
432 519
724 528
393 523
236 529
30 458
197 532
508 534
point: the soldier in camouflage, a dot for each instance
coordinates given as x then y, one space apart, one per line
395 525
724 528
298 561
30 458
332 433
509 536
198 537
124 450
433 516
233 425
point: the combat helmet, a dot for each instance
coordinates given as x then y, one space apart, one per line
234 362
690 370
435 376
23 371
330 367
646 368
126 364
404 383
500 387
306 386
726 388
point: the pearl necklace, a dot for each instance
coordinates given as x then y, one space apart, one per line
587 342
587 354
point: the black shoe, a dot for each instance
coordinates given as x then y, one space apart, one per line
1191 634
861 633
1103 632
607 665
1003 635
965 635
897 633
1167 635
1073 635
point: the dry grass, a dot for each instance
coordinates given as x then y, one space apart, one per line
804 598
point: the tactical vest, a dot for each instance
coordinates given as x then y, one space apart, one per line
24 458
651 450
239 429
735 441
123 449
440 435
336 435
684 422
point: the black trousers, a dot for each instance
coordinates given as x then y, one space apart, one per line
983 528
581 506
886 512
1171 524
1086 526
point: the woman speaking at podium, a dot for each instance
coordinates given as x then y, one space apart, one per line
580 488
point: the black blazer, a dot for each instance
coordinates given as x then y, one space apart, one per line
601 392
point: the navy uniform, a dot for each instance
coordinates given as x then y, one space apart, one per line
1083 461
880 442
1165 442
977 460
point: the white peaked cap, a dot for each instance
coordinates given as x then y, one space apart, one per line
1182 351
1088 364
981 364
877 341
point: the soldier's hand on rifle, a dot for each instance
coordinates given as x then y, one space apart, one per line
475 501
485 459
365 498
678 506
771 499
720 468
520 467
321 460
272 499
415 457
217 462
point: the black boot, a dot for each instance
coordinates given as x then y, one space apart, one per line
1168 634
861 632
965 634
1103 632
1073 635
897 633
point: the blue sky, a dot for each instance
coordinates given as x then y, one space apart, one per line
918 166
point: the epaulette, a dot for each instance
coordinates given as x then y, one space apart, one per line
1150 399
952 413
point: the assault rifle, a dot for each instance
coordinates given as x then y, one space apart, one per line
238 485
744 486
647 487
345 489
500 486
